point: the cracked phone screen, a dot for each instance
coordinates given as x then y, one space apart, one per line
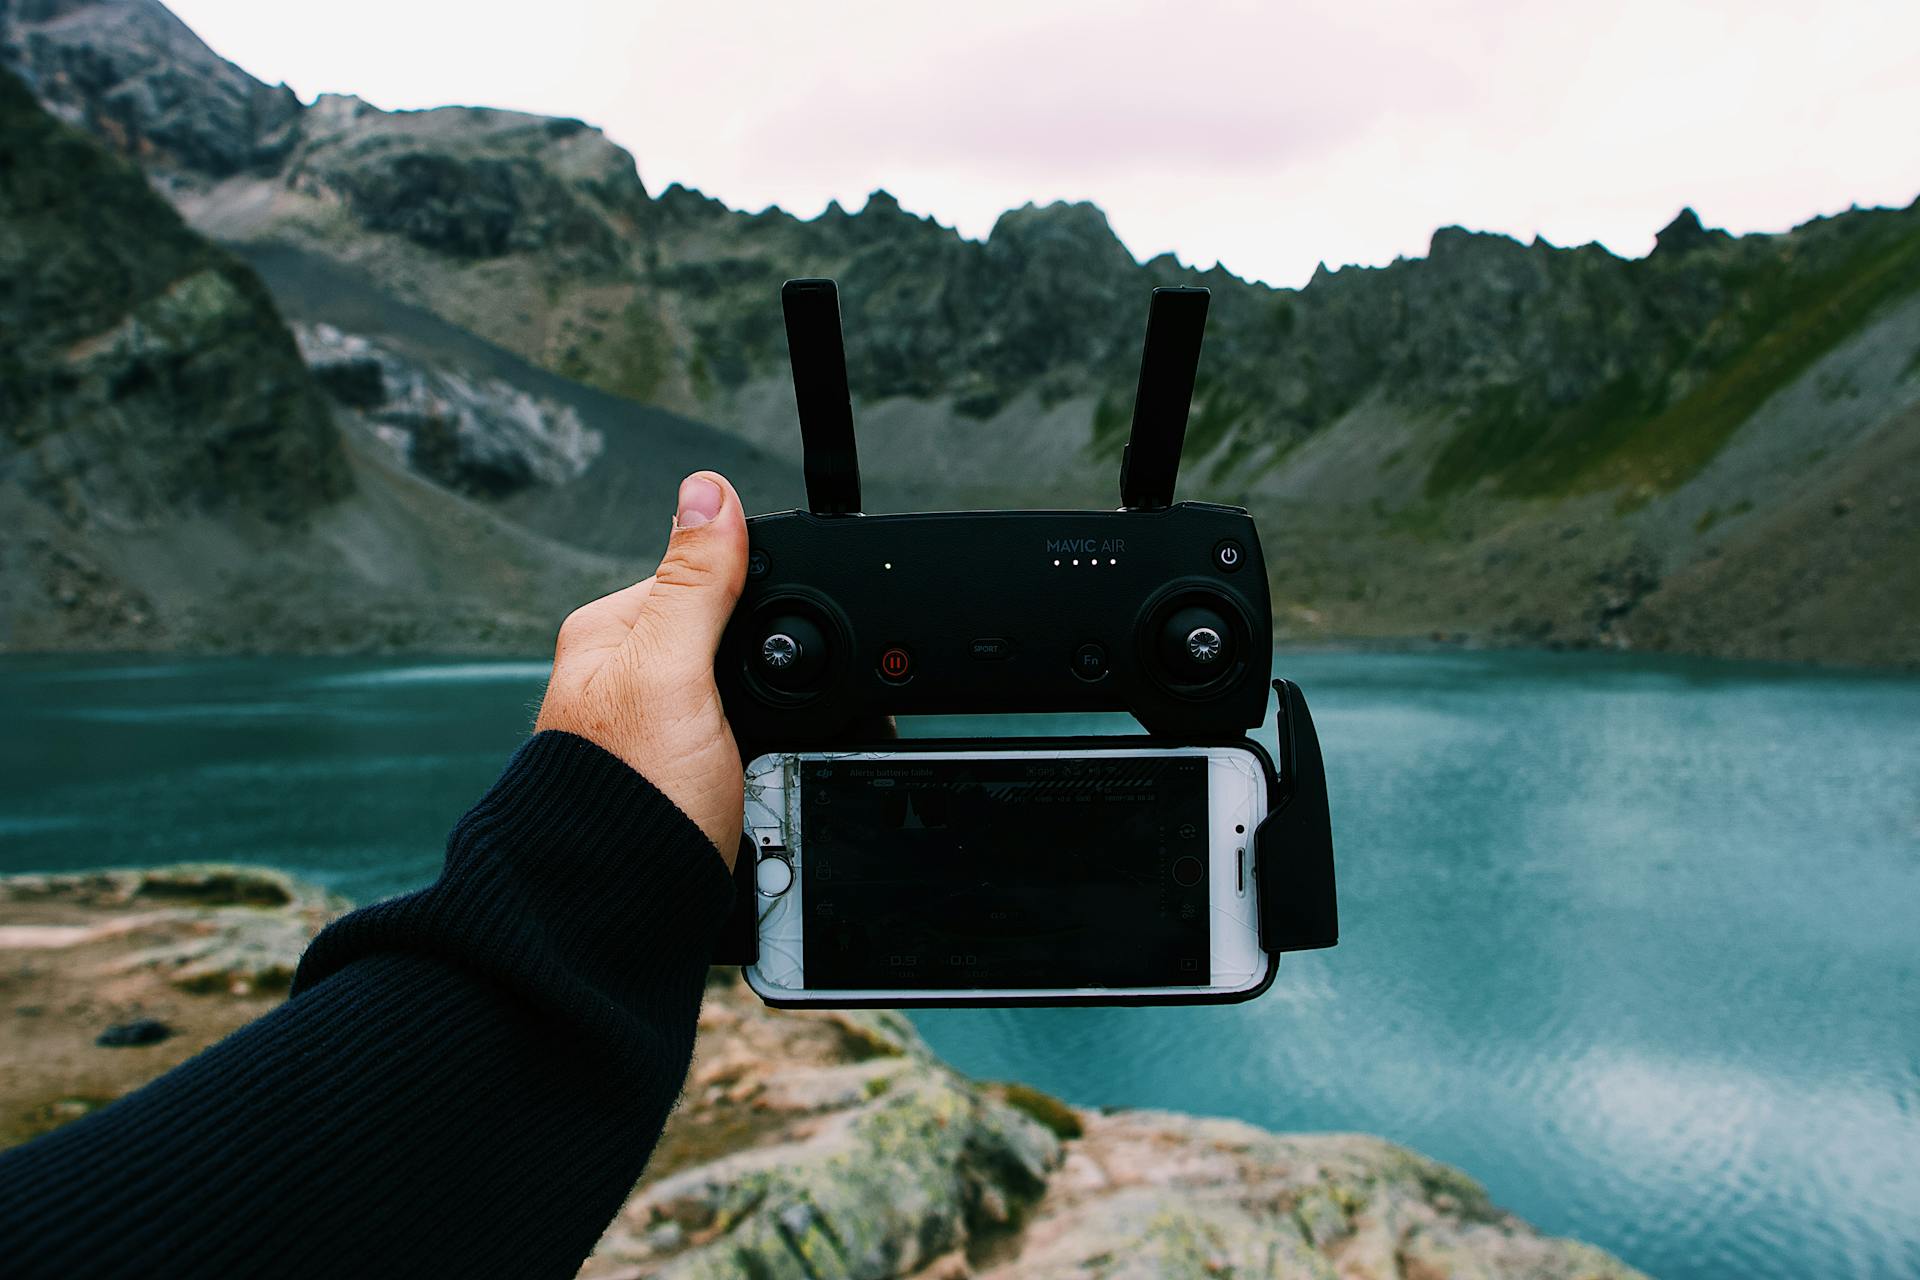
953 874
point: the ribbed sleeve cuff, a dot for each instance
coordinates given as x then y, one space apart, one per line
574 883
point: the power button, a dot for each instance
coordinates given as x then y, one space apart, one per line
896 665
1228 555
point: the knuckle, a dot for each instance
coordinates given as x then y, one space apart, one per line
572 626
682 570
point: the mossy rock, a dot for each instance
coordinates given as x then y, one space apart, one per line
214 885
1059 1118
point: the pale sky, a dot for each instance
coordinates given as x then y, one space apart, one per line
1269 137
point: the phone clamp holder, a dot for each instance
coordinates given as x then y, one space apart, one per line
1292 846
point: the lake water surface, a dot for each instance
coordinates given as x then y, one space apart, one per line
1635 942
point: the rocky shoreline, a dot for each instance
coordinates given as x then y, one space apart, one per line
806 1145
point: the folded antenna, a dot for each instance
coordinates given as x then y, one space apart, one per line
819 356
1176 322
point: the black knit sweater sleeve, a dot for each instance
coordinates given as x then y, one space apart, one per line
465 1081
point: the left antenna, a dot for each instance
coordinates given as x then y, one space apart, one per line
1169 362
830 458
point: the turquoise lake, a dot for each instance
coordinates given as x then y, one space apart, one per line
1634 941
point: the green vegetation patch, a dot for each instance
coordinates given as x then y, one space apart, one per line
1112 417
861 1042
1629 437
216 886
1052 1114
642 357
1216 412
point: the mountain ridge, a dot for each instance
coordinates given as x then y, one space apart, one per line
173 476
1391 425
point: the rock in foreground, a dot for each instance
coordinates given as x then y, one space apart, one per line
807 1145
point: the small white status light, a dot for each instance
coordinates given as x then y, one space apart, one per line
1076 562
887 565
1056 564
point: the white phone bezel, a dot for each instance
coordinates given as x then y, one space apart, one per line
1236 805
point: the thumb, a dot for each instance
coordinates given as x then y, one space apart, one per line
700 577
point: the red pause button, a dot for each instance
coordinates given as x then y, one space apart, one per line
896 663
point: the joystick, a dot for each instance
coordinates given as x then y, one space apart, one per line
1194 645
793 654
1159 608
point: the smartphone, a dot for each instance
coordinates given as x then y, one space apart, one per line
956 875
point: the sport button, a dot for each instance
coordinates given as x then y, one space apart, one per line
896 664
1228 555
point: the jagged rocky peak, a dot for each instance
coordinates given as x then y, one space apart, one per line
687 205
473 182
1080 220
1455 242
136 76
1067 236
344 129
882 203
561 141
1684 235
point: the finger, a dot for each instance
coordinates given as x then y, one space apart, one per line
700 577
876 729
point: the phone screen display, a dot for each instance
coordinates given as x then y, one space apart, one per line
1008 873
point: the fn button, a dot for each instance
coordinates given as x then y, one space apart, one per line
1090 661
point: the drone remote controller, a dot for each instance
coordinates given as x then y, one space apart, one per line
1159 608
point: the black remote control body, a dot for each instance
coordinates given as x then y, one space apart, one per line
1158 608
848 618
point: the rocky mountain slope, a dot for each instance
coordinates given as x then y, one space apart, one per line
173 474
1708 449
807 1145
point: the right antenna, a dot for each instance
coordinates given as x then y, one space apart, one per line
829 457
1176 323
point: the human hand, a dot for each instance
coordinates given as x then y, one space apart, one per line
633 671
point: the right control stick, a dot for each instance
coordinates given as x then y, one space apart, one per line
1196 645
